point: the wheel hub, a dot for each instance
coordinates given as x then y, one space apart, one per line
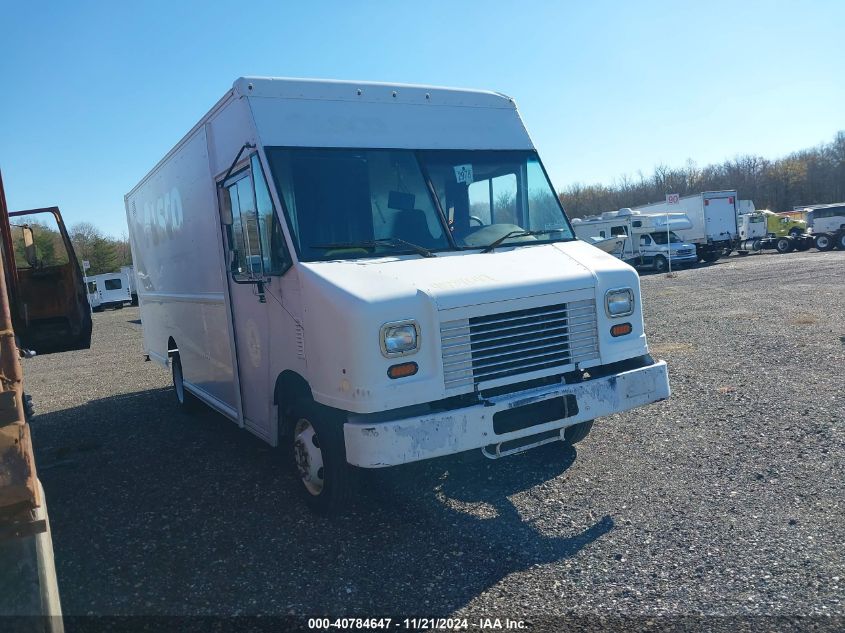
308 456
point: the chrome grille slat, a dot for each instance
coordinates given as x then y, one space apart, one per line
548 316
494 346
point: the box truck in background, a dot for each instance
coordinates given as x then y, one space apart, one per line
713 215
374 274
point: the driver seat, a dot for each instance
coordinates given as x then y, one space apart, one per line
410 225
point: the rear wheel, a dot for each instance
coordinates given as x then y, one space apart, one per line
841 241
823 242
802 244
784 245
577 432
710 256
318 455
660 264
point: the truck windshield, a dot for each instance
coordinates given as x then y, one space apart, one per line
660 238
353 203
487 194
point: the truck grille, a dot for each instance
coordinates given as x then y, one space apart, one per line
683 251
496 346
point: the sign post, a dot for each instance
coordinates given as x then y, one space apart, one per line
671 198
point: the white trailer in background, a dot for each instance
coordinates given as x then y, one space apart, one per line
713 214
651 240
111 290
370 307
129 271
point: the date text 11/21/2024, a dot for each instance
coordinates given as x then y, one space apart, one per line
414 624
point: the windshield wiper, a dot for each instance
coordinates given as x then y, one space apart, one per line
517 233
419 250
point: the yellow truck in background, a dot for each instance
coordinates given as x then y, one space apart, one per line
782 225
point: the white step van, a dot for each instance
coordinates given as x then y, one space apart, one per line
377 274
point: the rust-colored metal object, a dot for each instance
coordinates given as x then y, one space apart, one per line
18 483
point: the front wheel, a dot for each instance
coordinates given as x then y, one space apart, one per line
795 232
318 456
660 264
577 432
841 241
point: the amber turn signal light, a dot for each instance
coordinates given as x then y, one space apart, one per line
620 329
402 370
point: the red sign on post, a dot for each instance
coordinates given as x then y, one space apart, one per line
673 198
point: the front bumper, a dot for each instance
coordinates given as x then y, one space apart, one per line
685 259
379 444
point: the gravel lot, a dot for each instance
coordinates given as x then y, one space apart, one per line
727 499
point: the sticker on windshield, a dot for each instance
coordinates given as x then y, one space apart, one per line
463 173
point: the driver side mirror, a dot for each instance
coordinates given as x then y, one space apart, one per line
30 252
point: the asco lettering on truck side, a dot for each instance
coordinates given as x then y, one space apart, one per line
161 219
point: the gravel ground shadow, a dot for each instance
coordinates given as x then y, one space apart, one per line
210 524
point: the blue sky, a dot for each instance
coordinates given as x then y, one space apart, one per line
95 93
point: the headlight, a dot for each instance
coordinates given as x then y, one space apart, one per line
399 338
619 302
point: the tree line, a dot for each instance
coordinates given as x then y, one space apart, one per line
105 254
805 177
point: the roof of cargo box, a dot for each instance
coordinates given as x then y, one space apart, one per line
319 113
367 91
310 113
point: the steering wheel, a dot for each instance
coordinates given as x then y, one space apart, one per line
477 219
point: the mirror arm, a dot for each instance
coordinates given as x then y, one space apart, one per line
246 145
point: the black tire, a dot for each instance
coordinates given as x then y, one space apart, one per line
118 306
660 264
785 245
742 253
840 242
577 432
823 242
802 244
134 300
97 309
187 401
710 256
794 232
315 431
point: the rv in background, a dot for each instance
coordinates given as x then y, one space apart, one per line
713 216
111 289
652 241
129 271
